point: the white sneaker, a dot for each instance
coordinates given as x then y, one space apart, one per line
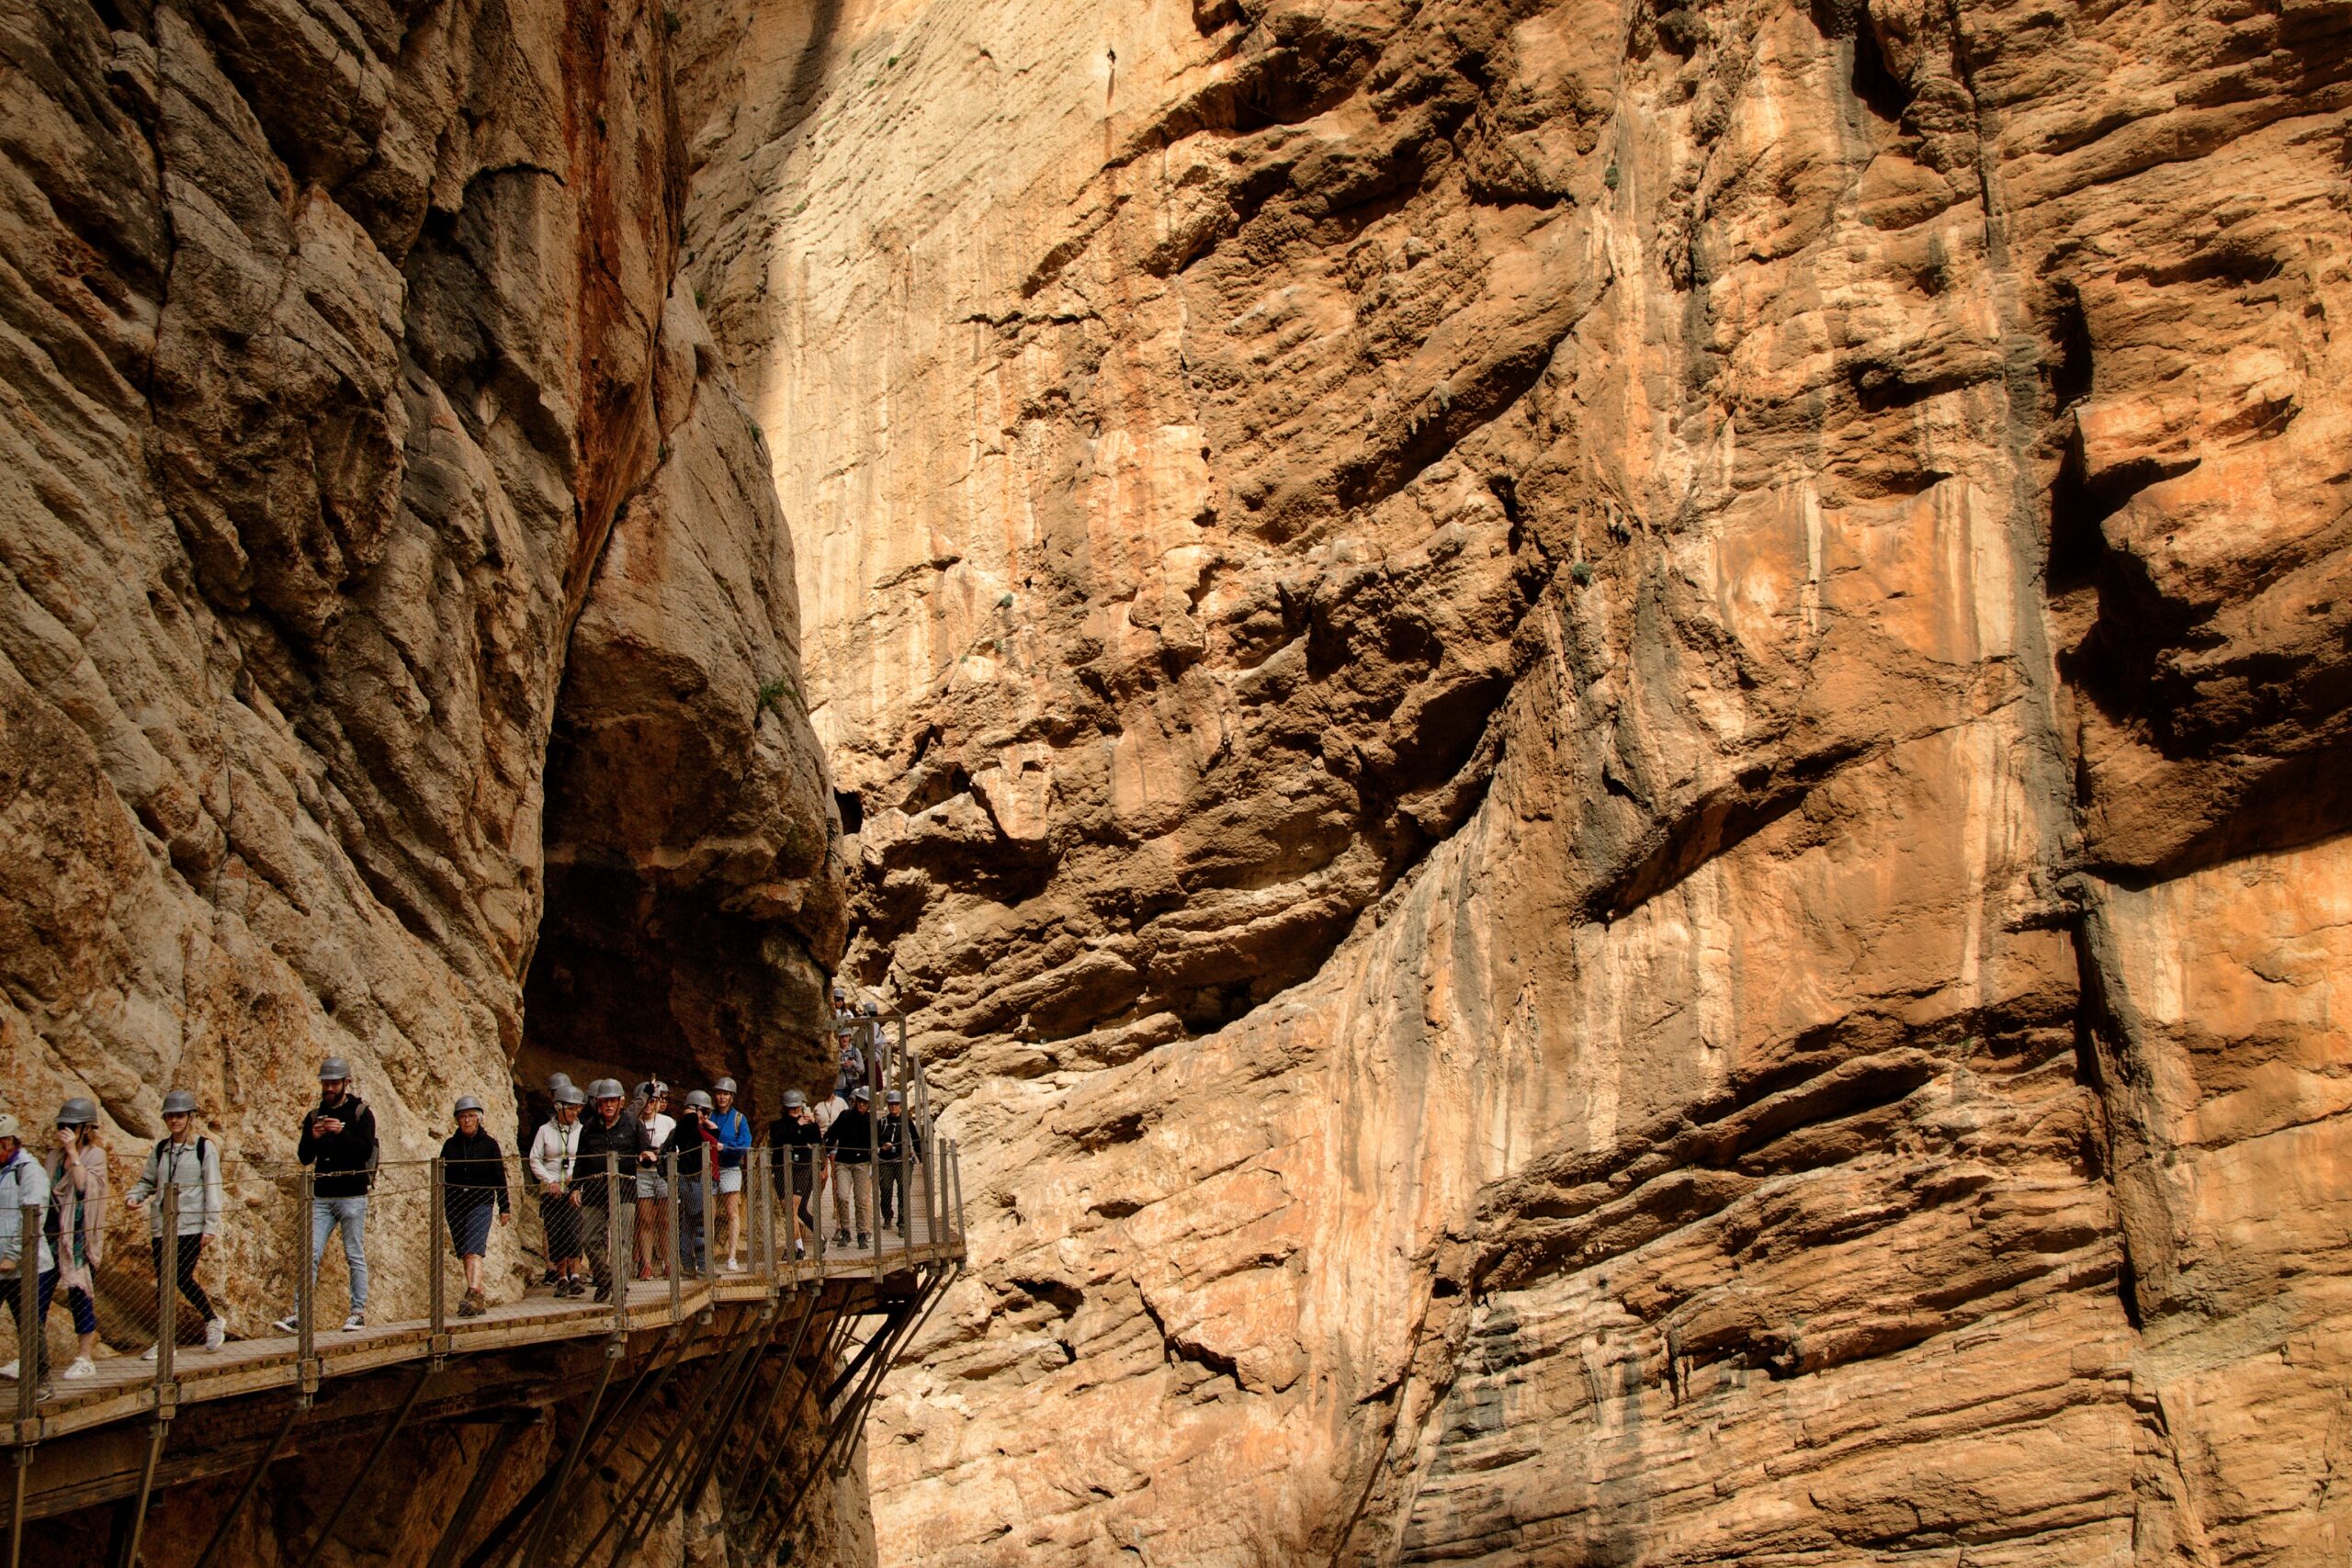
81 1367
734 1267
9 1371
152 1353
216 1334
355 1322
288 1325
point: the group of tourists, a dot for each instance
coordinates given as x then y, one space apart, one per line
836 1144
70 1189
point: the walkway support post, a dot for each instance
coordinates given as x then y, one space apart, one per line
167 1294
30 1351
615 1242
306 1271
669 1236
252 1483
368 1466
535 1549
437 1334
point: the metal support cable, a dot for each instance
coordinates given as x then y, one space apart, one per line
775 1395
138 1516
695 1472
487 1464
534 1547
253 1482
638 1505
368 1466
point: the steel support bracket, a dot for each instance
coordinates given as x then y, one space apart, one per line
312 1371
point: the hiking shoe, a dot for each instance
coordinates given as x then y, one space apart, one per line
472 1306
80 1367
355 1322
604 1294
152 1353
865 1240
288 1325
549 1278
216 1334
840 1238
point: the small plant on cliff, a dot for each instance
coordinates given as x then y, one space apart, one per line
670 21
770 695
1608 176
1580 573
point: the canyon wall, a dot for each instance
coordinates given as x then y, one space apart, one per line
394 595
398 629
1609 743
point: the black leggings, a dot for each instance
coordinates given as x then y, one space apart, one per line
191 1248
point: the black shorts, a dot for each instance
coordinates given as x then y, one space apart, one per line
561 1222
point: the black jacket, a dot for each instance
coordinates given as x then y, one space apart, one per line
625 1138
345 1161
687 1139
851 1137
902 1139
796 1145
473 1170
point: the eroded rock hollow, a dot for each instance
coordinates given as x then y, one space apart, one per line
1609 742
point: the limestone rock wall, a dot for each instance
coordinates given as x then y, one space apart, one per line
1610 743
397 623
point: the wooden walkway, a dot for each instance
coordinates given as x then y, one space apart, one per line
126 1388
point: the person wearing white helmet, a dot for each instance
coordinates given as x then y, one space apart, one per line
474 1184
77 1219
734 1132
555 1151
23 1185
189 1162
339 1140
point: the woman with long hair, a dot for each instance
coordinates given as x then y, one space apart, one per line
77 1182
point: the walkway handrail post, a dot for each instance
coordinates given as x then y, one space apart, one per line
28 1346
759 1181
934 1162
670 1237
436 1287
709 1208
167 1292
956 1180
616 1240
305 1270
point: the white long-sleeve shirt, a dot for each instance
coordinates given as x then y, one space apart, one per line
553 1149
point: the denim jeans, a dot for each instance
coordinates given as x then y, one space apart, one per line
351 1215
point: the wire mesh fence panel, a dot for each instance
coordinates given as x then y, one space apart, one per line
489 1249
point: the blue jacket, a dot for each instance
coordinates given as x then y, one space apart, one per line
734 1132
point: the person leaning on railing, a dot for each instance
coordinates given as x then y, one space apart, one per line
76 1223
189 1162
473 1186
23 1185
339 1139
554 1153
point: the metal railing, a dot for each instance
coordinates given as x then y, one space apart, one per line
280 1267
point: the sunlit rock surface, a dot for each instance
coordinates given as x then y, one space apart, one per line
1610 744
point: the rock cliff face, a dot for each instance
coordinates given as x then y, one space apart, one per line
398 630
1610 741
